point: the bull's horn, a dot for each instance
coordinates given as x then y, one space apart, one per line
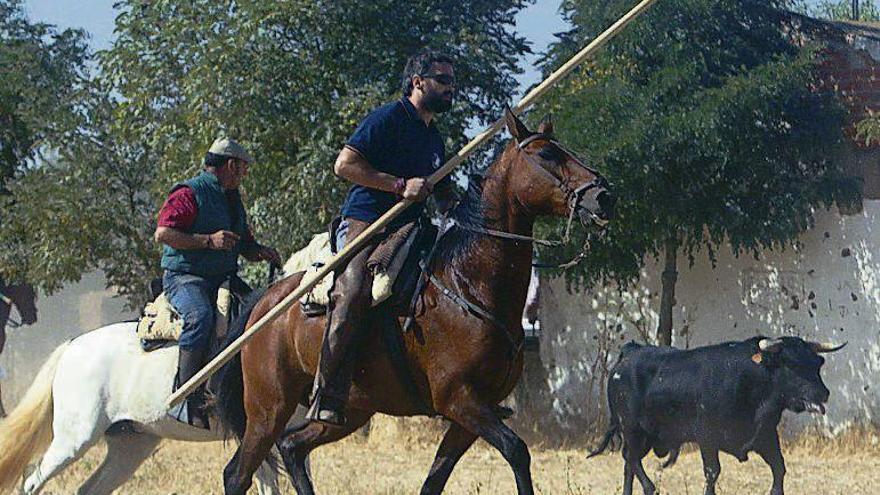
821 347
770 345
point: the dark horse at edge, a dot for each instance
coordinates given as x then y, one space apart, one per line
24 298
463 365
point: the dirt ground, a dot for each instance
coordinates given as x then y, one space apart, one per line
358 466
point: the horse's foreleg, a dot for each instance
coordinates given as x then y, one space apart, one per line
296 444
456 442
480 419
259 436
125 453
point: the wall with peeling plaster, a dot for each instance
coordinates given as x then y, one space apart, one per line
827 290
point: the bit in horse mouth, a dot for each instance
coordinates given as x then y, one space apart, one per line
586 217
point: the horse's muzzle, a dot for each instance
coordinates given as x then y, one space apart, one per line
599 209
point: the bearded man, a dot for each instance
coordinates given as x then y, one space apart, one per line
388 158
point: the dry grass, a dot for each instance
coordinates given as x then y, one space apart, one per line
390 462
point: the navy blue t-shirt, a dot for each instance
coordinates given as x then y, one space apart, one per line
394 140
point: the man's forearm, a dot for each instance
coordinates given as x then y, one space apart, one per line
178 239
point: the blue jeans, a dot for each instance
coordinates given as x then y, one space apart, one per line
195 299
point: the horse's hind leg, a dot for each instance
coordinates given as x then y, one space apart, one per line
125 453
295 446
455 443
65 448
480 419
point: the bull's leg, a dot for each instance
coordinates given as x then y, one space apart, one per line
466 409
296 444
628 471
711 467
771 453
636 447
455 443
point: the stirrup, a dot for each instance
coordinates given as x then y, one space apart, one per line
181 412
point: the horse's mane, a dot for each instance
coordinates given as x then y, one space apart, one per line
470 211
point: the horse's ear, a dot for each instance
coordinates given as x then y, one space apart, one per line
517 129
546 126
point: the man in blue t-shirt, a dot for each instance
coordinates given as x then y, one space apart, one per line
388 158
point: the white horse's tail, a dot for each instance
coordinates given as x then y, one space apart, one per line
27 431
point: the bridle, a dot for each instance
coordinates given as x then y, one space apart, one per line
573 196
10 322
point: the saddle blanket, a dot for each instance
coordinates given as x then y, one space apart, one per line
315 255
161 321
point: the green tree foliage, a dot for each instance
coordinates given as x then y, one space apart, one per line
290 80
40 72
702 116
42 79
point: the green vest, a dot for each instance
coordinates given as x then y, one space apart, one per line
216 212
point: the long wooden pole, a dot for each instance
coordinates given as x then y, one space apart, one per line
311 280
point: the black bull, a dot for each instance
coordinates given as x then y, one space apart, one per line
727 397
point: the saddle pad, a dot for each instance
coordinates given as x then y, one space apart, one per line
315 255
161 321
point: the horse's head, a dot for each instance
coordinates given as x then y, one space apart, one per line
24 297
548 179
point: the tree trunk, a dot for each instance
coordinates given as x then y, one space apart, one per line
667 298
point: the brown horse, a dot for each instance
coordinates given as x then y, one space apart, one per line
463 364
24 298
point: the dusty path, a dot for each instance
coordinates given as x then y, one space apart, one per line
358 467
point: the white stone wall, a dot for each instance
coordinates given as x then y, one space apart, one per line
826 289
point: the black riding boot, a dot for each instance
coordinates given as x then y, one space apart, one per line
350 298
192 409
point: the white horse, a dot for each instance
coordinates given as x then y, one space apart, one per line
98 385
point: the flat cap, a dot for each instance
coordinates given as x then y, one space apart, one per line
228 147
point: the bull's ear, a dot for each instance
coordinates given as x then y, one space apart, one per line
546 126
770 345
822 347
517 129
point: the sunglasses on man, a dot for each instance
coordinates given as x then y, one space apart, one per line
444 79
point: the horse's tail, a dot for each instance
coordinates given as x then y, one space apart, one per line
228 383
27 431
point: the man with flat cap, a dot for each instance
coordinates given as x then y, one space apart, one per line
203 226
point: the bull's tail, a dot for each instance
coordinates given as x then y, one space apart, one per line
612 433
27 431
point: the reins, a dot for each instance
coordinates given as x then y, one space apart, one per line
573 197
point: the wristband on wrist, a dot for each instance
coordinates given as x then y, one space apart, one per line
208 241
399 186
